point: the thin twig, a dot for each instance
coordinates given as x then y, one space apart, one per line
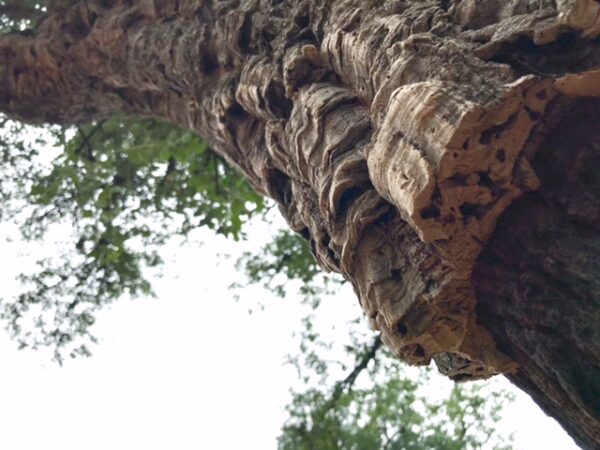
86 141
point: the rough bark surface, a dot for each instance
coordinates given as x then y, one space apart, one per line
393 134
538 278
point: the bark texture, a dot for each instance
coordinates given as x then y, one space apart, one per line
538 278
393 134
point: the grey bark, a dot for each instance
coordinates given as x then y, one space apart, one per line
393 134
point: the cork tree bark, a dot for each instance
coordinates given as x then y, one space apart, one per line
441 155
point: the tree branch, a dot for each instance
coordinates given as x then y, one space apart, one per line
86 140
348 382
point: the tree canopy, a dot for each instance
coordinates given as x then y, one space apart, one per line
124 187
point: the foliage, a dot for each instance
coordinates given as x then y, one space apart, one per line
393 415
20 15
376 402
285 259
124 187
378 405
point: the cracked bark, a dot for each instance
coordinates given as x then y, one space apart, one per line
394 135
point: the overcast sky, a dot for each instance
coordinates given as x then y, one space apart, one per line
188 370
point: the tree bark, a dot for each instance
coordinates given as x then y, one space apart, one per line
394 135
537 279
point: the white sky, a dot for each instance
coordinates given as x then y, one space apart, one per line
189 370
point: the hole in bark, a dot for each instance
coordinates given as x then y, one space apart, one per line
348 198
445 5
236 111
160 67
534 115
566 40
396 274
430 213
486 136
485 180
308 36
305 233
565 54
279 186
302 21
245 36
469 209
495 131
501 155
74 33
458 179
331 254
386 217
313 247
466 144
401 328
278 103
268 36
419 352
208 62
461 377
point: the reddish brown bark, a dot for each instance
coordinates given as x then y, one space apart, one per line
393 135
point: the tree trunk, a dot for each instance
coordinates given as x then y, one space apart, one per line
394 135
537 279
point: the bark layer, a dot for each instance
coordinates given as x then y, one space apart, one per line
393 134
537 280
